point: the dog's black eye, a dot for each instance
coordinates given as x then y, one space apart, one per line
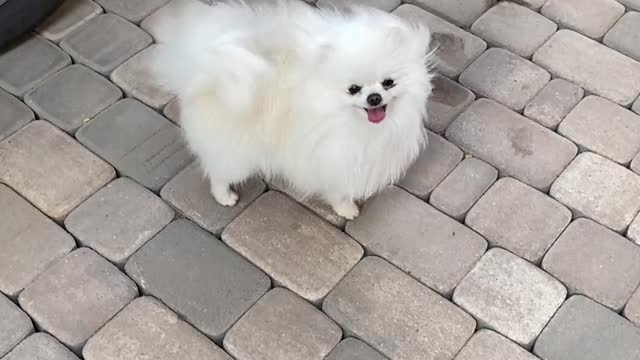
388 83
354 89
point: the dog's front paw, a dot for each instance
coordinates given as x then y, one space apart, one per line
225 197
347 209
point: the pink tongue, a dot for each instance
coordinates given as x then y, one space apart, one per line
376 115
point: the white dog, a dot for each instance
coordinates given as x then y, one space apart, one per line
332 102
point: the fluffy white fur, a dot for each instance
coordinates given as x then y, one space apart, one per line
264 89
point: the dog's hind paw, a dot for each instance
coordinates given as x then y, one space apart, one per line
347 209
225 196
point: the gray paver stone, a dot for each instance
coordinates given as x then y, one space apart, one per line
505 77
585 330
632 309
636 106
118 219
295 247
133 11
386 5
50 169
457 193
15 325
589 17
510 295
25 233
282 326
461 13
532 4
516 146
77 296
515 28
354 349
397 315
594 261
28 62
553 103
591 65
13 114
105 42
172 110
138 142
40 346
72 96
488 345
633 232
446 102
456 48
69 17
417 238
625 35
146 329
635 164
632 4
177 267
599 189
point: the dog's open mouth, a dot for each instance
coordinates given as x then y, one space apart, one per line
376 114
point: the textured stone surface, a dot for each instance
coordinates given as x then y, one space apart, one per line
198 277
13 114
532 4
402 318
463 187
105 42
456 48
172 111
446 102
133 11
295 247
515 28
50 169
591 65
77 296
146 329
603 127
636 106
634 230
15 325
505 77
488 345
589 17
69 17
599 189
594 261
585 330
509 295
354 349
138 142
431 167
25 232
282 326
28 62
516 146
632 310
632 4
118 219
635 164
625 35
386 5
40 346
553 103
71 97
461 13
417 238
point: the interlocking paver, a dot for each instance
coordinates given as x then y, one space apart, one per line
432 166
594 261
635 164
636 106
505 77
177 267
136 79
25 232
172 110
599 189
585 330
515 145
70 16
282 326
457 193
13 114
589 17
509 295
633 232
118 219
591 65
553 103
516 217
532 4
393 312
40 346
71 97
15 325
446 102
632 309
489 345
624 36
601 126
146 329
633 4
515 28
105 42
77 296
26 63
354 349
456 48
295 247
189 193
50 169
133 11
417 238
139 142
386 5
461 13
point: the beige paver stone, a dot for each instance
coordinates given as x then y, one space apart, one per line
553 103
589 17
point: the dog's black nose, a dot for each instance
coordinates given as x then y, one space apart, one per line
374 99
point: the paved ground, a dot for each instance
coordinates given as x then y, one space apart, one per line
516 236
